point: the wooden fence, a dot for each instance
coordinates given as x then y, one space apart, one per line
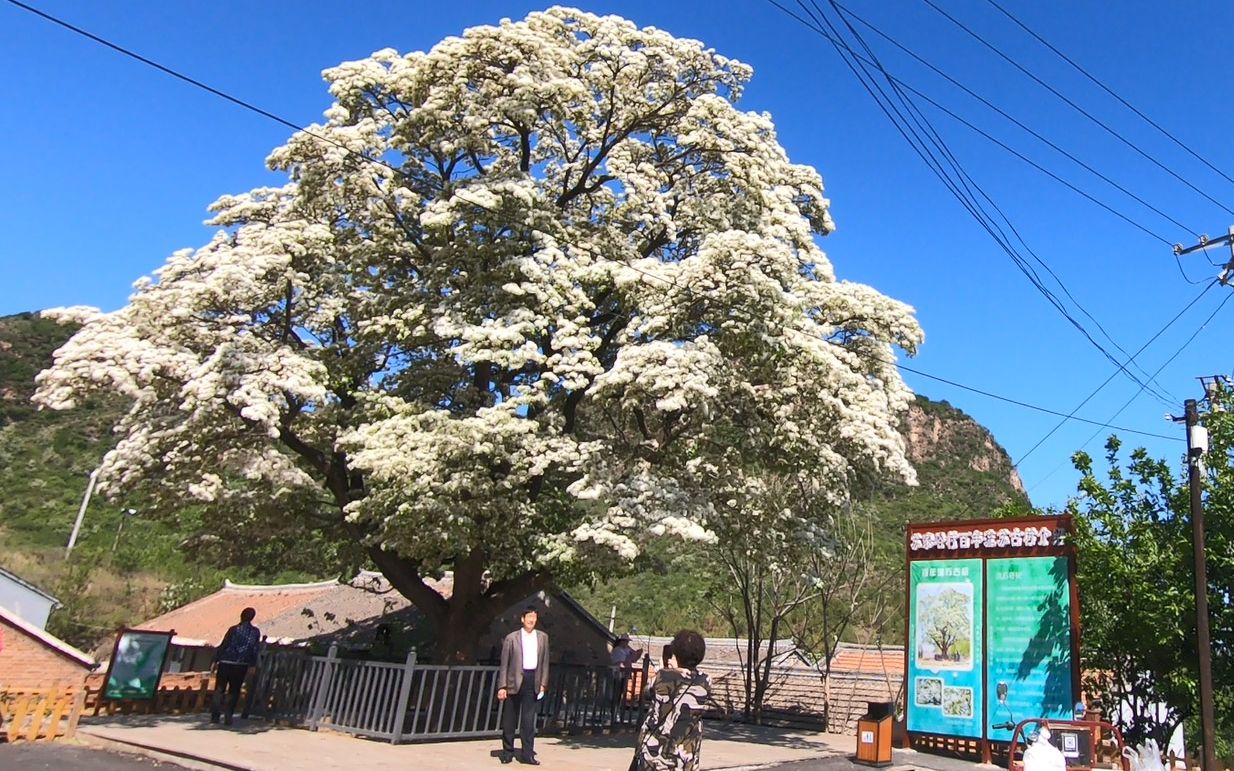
31 714
178 693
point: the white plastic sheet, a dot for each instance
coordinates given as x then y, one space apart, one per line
1043 756
1146 757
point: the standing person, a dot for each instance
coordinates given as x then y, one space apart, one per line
623 659
672 733
234 659
623 655
521 682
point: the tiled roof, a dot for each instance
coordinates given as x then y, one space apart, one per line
720 650
869 659
47 639
287 613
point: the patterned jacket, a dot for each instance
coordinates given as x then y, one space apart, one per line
240 645
672 732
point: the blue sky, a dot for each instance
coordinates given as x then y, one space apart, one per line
109 166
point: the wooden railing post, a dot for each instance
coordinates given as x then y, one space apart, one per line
404 695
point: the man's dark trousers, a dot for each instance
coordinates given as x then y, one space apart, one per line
521 707
228 677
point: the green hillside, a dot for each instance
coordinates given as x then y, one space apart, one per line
123 568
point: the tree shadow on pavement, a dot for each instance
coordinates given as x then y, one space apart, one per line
189 722
617 739
749 733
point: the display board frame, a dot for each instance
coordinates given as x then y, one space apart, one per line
130 644
950 563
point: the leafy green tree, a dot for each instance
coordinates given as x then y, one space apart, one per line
1136 579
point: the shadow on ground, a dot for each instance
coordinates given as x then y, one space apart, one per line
757 734
190 722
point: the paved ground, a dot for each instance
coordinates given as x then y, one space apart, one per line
902 760
70 757
258 746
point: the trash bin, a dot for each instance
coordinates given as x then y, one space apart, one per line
874 734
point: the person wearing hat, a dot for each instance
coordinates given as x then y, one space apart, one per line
623 659
623 656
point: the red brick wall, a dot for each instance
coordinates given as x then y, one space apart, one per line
26 662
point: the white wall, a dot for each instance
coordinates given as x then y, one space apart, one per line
27 604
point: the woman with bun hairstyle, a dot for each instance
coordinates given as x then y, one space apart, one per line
672 733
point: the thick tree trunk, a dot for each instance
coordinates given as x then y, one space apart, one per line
460 621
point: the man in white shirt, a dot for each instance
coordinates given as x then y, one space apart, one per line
521 682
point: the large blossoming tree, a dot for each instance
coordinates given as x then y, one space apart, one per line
523 302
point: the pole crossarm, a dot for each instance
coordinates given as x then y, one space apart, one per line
1228 269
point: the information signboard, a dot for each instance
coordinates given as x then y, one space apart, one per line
1028 662
991 628
945 647
136 664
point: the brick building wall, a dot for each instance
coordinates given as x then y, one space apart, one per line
28 662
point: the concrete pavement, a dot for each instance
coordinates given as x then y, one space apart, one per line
255 745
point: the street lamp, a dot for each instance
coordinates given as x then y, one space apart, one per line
124 514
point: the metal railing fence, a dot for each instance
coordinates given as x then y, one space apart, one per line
412 701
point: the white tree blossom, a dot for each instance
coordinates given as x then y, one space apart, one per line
523 301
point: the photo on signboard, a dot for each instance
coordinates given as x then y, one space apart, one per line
958 702
929 692
945 626
136 664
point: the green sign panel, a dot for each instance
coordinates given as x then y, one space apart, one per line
136 665
1029 656
945 647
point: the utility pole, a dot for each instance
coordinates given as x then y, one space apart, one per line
1197 444
81 513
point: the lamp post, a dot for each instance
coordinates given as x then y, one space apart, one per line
124 515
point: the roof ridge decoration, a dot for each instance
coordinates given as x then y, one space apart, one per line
229 584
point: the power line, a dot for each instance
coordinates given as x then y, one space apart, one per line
151 63
1127 403
1110 91
1026 405
1077 107
986 135
1015 121
290 124
920 145
1106 382
840 7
